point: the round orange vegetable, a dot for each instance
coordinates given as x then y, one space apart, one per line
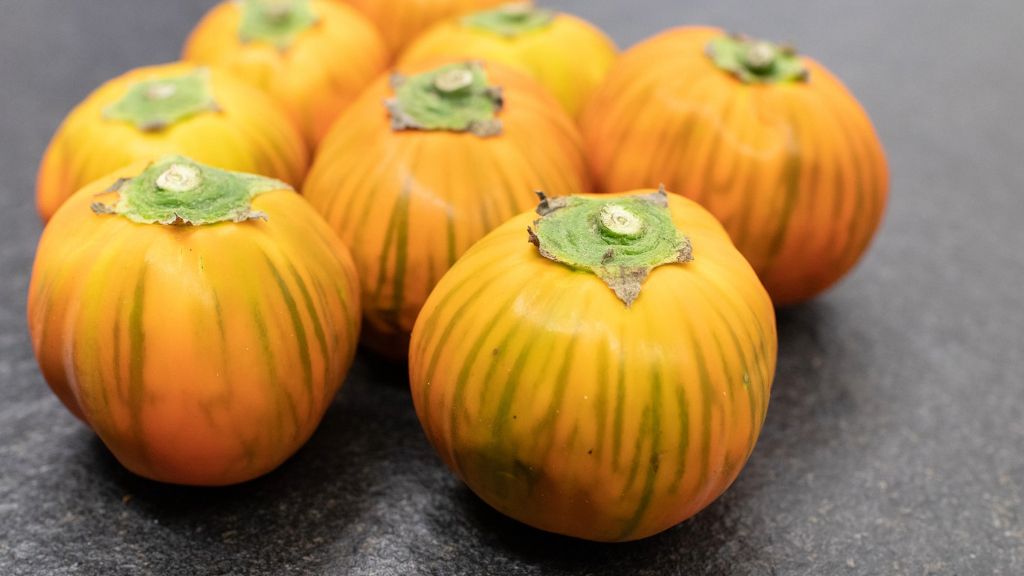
402 20
607 379
169 109
312 56
768 141
200 321
566 54
411 176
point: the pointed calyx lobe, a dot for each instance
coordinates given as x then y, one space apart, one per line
754 61
276 22
454 97
510 20
179 191
154 104
619 239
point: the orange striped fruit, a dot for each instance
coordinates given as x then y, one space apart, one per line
169 109
770 142
605 414
200 321
566 54
402 20
313 57
410 178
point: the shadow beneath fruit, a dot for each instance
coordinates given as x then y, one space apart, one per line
326 495
811 390
730 530
379 370
700 543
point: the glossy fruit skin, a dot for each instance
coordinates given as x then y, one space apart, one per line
408 203
249 134
570 57
562 408
200 355
315 78
400 21
794 171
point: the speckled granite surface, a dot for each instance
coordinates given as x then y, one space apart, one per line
895 439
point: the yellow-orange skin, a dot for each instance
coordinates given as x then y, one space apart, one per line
564 409
570 57
793 170
249 134
202 355
400 21
315 78
408 203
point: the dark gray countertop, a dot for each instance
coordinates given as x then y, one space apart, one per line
895 439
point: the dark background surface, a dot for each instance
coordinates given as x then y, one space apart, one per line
895 439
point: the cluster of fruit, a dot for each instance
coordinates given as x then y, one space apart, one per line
472 187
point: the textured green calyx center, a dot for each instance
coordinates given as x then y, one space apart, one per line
277 22
154 104
511 19
620 239
756 61
176 190
454 97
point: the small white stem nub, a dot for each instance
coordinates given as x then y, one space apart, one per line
453 80
761 55
620 220
161 91
516 9
179 178
277 10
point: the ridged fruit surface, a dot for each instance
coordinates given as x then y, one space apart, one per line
313 76
793 169
565 409
244 130
200 354
408 203
567 54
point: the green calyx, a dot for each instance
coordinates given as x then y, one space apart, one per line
176 190
620 239
756 61
277 22
454 97
511 19
152 105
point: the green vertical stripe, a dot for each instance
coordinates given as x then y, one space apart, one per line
790 183
601 396
642 436
344 194
222 338
137 364
863 178
504 404
115 340
314 317
745 316
270 365
707 397
683 405
708 183
654 459
298 328
395 239
620 406
453 294
544 429
324 264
